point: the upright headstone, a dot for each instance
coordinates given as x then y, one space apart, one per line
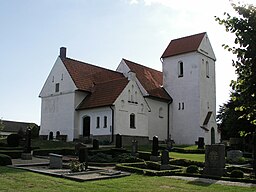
83 155
134 147
95 144
57 135
51 135
155 146
165 160
214 160
55 161
118 141
234 156
200 143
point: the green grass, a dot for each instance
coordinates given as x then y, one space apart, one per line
13 180
194 157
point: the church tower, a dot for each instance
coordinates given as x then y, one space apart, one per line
189 78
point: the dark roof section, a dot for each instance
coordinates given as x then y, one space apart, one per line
150 79
104 94
85 75
14 126
183 45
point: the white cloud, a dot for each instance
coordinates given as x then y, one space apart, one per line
134 2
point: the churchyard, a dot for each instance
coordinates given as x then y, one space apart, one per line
73 166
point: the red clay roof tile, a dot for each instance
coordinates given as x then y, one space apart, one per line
183 45
150 79
104 94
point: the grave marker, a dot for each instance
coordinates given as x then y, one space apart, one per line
214 160
118 141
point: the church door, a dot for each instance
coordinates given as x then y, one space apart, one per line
86 126
212 136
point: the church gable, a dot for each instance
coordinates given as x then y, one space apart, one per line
150 81
58 81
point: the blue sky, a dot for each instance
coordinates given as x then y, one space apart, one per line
101 32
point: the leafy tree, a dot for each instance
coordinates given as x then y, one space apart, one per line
242 106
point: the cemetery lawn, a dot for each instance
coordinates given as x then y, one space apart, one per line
13 180
193 157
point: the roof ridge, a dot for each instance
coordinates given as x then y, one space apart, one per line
91 64
188 36
141 65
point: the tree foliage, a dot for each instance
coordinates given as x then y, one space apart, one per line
242 106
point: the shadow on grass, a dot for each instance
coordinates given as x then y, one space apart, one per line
4 169
202 182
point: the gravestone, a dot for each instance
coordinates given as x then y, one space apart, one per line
200 143
214 160
26 155
165 160
155 150
118 141
234 155
95 144
83 155
134 150
78 146
55 161
57 135
51 136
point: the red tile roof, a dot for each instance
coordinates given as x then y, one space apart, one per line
104 94
150 79
183 45
86 75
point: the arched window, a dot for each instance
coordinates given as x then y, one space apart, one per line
161 115
142 108
132 120
180 69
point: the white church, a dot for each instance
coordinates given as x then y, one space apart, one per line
85 101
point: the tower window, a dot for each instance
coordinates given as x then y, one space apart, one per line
207 69
180 69
132 120
161 112
57 87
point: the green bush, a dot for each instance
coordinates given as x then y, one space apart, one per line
192 169
127 158
13 140
186 162
237 174
76 166
5 160
101 158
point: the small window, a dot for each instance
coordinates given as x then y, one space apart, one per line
98 122
62 77
161 112
105 121
57 87
179 107
183 105
132 121
207 69
180 68
52 78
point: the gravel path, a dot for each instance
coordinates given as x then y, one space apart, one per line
212 181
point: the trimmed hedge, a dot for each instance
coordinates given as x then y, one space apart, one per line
14 154
61 151
5 160
192 169
186 162
191 151
237 174
144 155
